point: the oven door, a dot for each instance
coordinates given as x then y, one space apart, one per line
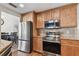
52 47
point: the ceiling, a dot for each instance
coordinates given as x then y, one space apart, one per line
37 7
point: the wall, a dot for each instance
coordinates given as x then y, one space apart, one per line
11 22
2 8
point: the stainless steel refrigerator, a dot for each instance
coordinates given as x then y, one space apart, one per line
25 36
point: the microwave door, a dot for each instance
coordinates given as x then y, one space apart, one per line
52 24
49 25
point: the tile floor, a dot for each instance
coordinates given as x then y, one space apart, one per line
15 52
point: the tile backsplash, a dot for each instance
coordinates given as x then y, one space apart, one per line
71 33
77 34
68 33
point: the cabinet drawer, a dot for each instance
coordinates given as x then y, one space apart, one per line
70 42
75 42
66 41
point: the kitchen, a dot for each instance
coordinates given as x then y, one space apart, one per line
52 31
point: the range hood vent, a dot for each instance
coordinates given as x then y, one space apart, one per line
11 4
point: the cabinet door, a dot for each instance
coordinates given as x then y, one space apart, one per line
68 15
69 50
75 50
66 50
37 44
40 21
47 15
56 13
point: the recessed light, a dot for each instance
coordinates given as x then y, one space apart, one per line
21 5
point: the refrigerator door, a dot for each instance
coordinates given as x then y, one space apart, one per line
19 36
25 46
25 31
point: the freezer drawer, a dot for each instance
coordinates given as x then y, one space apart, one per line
25 46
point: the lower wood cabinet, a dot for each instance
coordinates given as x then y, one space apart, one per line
69 47
37 44
34 43
75 50
66 50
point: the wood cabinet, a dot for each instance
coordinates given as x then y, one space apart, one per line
40 21
66 50
34 43
69 47
37 44
75 50
27 17
34 24
47 15
52 14
68 15
56 13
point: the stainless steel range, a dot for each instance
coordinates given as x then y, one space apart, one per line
52 36
51 43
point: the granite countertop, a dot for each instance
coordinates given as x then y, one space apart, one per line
4 44
69 37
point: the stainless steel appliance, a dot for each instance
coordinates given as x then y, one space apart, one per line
51 43
25 36
52 24
52 36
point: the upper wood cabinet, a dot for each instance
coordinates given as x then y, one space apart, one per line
40 21
68 15
27 17
47 15
55 14
52 14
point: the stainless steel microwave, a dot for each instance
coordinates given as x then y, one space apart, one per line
52 24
